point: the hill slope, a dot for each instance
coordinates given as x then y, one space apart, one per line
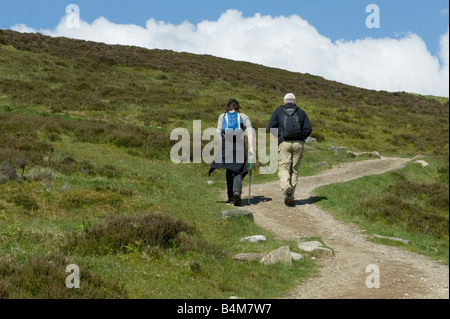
167 89
86 128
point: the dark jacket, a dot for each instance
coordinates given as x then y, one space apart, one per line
227 157
304 121
232 155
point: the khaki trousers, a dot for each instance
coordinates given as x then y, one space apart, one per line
290 154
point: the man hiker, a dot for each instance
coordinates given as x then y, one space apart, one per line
293 128
230 128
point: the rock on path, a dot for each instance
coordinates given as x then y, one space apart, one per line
343 275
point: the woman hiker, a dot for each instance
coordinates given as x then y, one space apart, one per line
232 156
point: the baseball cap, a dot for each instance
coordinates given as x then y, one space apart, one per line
289 96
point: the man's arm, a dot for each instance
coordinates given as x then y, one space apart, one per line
274 121
307 127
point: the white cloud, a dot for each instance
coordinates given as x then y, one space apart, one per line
291 43
444 54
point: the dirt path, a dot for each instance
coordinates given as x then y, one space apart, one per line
343 276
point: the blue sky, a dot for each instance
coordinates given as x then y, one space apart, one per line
323 37
343 19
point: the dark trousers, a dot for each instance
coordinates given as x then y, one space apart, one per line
234 183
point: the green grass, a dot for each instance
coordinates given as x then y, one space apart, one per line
156 88
410 203
90 123
200 262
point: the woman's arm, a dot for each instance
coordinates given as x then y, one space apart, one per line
220 126
249 130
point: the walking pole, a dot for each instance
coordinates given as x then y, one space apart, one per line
250 179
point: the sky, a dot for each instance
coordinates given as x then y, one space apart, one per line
398 45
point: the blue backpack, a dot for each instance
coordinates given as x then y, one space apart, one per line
232 122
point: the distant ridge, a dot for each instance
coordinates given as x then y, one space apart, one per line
85 71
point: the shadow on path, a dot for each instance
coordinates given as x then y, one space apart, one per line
253 201
309 201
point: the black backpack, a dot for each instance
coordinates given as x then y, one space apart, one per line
291 127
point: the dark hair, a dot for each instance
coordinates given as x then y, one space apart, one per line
232 105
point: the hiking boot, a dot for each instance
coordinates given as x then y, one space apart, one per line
289 196
237 198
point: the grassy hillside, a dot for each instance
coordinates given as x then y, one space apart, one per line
86 127
138 86
410 203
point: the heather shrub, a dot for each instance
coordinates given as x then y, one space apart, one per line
399 205
121 234
25 201
45 278
68 165
87 197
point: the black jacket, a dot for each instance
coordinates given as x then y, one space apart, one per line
304 120
232 156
